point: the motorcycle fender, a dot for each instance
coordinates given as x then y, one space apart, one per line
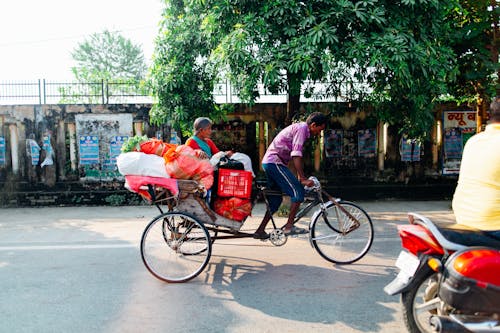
403 282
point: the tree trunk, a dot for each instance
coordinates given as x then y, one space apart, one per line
481 110
293 97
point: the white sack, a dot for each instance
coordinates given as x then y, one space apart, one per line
245 159
215 159
141 164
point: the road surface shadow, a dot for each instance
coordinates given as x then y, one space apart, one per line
306 293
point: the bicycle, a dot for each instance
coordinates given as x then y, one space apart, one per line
176 245
336 228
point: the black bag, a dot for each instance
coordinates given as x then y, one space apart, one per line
228 163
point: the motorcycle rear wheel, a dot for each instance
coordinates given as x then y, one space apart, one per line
420 303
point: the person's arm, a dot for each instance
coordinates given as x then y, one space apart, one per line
298 141
198 152
297 163
213 147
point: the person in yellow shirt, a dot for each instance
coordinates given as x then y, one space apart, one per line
476 202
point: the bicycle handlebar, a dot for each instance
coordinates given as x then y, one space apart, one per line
316 186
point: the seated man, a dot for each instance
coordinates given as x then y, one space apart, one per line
476 202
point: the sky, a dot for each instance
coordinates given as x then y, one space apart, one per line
37 37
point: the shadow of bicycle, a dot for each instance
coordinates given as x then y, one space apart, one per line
352 296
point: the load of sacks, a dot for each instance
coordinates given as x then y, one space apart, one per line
142 156
150 157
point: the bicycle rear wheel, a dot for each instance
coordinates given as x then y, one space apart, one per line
175 247
338 238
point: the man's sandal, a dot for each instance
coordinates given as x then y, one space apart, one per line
260 236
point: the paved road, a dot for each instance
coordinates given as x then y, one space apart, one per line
79 270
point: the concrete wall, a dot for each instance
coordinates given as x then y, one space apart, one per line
41 141
44 148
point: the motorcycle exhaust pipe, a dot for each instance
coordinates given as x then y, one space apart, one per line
442 324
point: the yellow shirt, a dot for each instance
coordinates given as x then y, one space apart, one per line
476 202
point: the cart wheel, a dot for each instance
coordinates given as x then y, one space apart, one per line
175 247
277 237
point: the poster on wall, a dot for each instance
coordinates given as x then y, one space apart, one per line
453 145
458 127
49 152
409 150
115 146
34 151
99 155
367 143
89 150
334 140
2 151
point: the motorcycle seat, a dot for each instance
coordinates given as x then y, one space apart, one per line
470 237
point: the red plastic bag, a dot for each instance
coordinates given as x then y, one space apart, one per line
182 163
233 208
156 146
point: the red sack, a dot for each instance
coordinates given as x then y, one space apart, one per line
233 208
182 163
155 146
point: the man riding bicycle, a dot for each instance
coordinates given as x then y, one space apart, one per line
287 146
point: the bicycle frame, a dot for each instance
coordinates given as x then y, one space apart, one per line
314 196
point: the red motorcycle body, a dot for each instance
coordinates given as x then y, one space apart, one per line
419 240
471 280
449 279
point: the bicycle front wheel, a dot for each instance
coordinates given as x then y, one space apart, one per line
175 247
338 237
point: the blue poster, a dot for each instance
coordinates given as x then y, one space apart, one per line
453 143
34 149
2 150
367 143
46 144
115 147
410 150
89 150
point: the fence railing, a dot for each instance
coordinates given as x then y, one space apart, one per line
114 92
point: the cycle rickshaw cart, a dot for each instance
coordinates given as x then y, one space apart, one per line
177 244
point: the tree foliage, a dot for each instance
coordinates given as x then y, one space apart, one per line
179 76
393 55
108 56
476 47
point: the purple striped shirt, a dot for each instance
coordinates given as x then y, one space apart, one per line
287 144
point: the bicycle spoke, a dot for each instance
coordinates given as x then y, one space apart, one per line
179 257
343 234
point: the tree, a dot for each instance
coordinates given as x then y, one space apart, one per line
108 56
179 75
476 42
389 53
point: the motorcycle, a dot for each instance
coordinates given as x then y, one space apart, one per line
440 290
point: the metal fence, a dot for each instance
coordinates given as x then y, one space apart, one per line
114 92
58 92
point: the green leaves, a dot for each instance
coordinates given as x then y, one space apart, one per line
108 56
396 55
